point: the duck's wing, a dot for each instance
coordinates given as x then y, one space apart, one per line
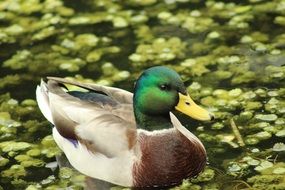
103 120
178 126
117 94
122 98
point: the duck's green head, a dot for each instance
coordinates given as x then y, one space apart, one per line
160 90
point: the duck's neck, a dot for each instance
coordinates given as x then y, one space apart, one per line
152 122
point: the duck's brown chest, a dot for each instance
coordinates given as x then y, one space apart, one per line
167 159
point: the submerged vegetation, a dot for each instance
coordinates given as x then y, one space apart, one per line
231 55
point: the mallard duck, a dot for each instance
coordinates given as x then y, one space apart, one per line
132 140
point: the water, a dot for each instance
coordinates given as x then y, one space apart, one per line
230 55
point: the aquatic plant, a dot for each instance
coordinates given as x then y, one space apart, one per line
230 54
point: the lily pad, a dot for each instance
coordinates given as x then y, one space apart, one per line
280 133
278 147
266 117
14 146
264 165
279 171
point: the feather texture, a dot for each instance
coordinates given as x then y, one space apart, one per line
97 131
91 121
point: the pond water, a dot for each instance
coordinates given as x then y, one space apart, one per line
231 55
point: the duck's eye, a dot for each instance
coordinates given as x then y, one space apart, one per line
164 87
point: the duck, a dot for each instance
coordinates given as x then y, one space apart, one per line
127 139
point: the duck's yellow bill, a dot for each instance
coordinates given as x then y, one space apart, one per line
187 106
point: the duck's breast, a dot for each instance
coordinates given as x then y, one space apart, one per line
167 158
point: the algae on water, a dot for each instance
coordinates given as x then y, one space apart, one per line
229 53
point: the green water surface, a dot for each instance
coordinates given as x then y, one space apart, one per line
231 55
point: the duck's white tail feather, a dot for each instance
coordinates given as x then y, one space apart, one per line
43 101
